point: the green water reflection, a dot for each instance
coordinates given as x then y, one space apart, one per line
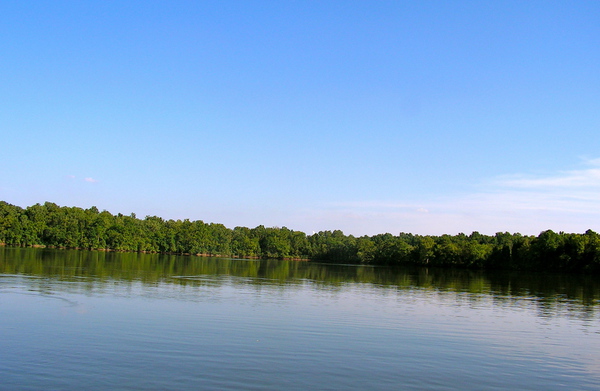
572 292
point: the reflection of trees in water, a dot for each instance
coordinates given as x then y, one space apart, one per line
548 293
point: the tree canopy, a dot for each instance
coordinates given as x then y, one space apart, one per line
72 227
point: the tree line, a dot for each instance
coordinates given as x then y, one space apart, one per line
72 227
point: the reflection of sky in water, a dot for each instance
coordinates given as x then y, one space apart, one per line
442 334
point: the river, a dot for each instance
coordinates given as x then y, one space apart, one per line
72 320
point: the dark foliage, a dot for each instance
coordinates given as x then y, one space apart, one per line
71 227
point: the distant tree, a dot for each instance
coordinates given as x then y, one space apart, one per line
72 227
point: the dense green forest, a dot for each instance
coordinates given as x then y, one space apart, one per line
73 227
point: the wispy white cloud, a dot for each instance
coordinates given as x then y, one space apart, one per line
562 201
91 180
572 180
566 191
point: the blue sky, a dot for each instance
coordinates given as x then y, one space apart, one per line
390 116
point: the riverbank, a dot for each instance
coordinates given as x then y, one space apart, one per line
71 227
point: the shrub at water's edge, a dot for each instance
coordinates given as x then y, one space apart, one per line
73 227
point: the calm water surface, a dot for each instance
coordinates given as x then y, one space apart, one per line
72 320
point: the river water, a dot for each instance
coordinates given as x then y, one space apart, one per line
72 320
